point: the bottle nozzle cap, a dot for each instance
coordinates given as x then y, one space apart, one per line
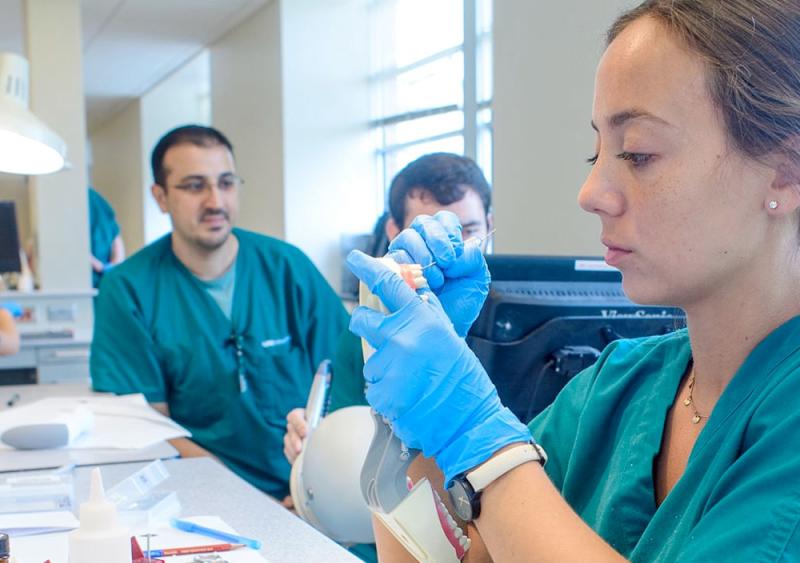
98 512
97 493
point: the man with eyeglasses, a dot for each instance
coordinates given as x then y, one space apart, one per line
219 327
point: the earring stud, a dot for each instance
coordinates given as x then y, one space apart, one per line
773 204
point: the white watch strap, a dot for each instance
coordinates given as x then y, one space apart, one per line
501 464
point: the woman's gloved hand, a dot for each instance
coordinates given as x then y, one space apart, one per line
424 379
459 276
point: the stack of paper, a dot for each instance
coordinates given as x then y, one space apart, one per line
126 422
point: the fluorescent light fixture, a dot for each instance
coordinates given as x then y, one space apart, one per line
27 145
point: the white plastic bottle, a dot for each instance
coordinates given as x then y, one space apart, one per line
100 538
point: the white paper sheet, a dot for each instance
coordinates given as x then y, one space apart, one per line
37 549
170 537
34 523
125 422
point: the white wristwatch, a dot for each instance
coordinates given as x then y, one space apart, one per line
465 491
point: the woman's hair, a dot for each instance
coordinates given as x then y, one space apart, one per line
752 52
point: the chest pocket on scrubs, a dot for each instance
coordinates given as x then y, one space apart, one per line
279 379
195 377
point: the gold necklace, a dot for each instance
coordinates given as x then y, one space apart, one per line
689 401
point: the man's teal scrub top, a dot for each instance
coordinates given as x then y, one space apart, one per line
739 498
347 384
230 382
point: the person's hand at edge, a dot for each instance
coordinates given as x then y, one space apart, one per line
296 430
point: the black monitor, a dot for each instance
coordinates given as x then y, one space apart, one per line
549 317
9 238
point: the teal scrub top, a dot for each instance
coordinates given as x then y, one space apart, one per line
103 229
739 497
347 384
229 382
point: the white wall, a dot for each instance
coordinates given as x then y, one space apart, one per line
117 171
59 201
246 105
329 165
182 98
545 55
122 145
288 89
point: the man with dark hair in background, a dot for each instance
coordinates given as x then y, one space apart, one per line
219 327
441 182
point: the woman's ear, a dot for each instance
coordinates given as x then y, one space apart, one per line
784 193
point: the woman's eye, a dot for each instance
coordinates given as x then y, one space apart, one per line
635 158
592 160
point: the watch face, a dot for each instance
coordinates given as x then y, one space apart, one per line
461 500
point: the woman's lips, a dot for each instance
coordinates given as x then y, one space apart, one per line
615 255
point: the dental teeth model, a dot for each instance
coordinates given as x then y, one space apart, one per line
455 535
411 274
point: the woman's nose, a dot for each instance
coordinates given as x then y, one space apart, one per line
601 193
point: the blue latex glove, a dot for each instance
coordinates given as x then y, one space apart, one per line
459 277
13 308
424 379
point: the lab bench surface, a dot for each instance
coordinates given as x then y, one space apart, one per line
207 488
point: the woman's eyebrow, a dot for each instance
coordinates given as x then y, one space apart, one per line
621 118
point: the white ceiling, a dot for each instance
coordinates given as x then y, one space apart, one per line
129 46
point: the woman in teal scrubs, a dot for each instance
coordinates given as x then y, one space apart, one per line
683 447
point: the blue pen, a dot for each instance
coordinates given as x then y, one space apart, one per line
211 533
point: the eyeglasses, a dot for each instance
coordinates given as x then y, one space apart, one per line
225 183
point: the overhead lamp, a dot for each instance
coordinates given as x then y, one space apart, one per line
27 145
